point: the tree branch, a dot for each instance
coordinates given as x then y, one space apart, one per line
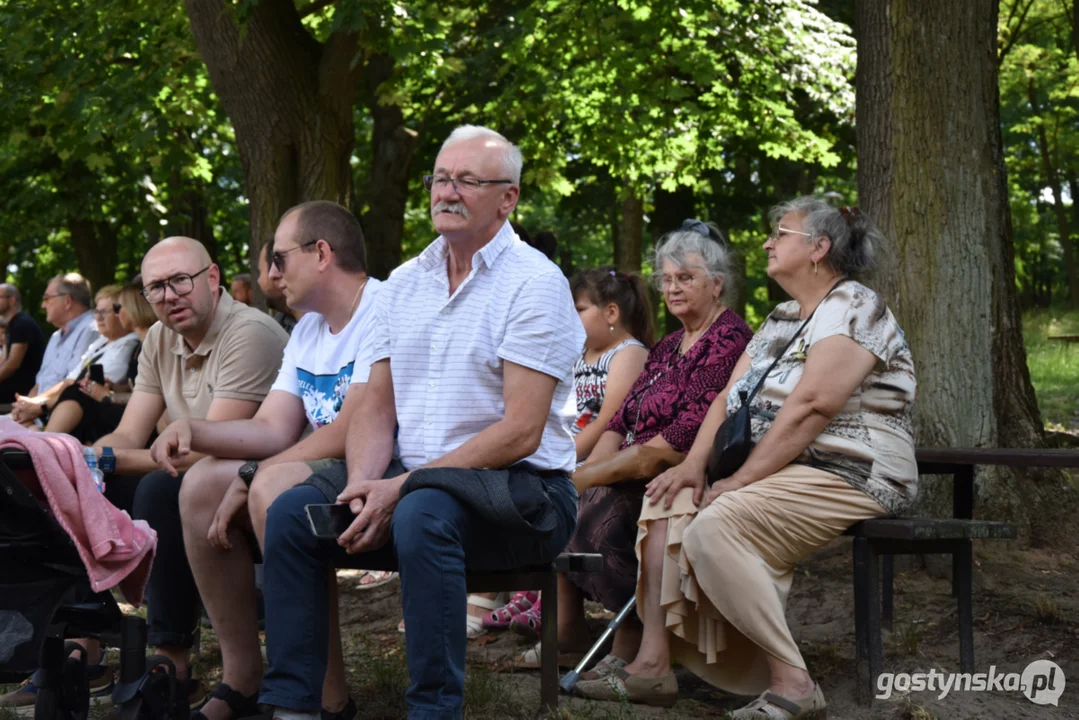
1013 37
316 6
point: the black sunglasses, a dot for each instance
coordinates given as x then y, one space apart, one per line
278 258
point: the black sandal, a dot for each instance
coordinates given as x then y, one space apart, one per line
239 704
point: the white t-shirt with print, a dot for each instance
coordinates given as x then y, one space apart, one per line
318 366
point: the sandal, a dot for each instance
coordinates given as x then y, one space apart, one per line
240 705
348 712
531 659
501 618
769 706
529 622
376 578
620 686
607 666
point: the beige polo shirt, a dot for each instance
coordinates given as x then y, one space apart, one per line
238 359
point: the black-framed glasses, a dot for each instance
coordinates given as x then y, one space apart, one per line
439 182
278 258
181 285
46 298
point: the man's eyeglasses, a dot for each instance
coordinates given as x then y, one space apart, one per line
46 298
439 182
180 285
278 258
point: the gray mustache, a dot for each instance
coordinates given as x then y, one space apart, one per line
456 208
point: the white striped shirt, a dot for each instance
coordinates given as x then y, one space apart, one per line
446 353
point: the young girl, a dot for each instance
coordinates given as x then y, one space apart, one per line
617 319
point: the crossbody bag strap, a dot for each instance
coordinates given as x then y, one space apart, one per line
786 347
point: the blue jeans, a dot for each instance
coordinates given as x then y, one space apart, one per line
433 539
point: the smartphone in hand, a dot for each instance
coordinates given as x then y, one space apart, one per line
329 521
97 373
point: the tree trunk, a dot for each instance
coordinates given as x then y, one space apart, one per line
92 240
392 147
1052 179
671 209
630 235
290 100
931 174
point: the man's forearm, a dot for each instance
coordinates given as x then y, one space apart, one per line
326 442
497 446
139 462
369 443
7 369
237 439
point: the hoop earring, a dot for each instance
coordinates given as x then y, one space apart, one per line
814 267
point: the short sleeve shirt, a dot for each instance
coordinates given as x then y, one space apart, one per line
447 353
870 443
319 367
23 330
238 360
673 393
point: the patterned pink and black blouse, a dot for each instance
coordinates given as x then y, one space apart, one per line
673 393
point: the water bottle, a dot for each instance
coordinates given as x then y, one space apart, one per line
90 456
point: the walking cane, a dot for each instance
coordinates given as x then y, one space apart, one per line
570 680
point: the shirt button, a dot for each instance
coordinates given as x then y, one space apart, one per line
434 348
427 421
432 384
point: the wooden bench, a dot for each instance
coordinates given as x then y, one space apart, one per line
1065 338
545 579
877 541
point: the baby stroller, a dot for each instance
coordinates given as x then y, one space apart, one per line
45 599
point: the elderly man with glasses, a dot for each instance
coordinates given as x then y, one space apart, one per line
209 358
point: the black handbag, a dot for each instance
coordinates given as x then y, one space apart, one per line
734 439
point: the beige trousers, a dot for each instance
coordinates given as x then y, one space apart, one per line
727 569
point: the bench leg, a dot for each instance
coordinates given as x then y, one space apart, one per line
887 605
549 645
869 656
962 562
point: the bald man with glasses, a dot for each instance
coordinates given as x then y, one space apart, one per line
209 358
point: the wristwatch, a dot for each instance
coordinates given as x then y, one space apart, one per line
247 471
107 461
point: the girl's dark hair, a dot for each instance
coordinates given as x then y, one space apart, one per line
606 284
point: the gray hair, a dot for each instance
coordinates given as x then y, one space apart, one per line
512 160
11 290
855 239
74 286
675 246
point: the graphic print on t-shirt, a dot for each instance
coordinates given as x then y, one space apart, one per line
323 395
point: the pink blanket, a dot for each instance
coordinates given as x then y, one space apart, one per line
115 549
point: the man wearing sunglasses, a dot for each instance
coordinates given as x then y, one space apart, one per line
209 358
320 264
475 342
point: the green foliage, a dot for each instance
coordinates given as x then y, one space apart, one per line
1039 61
1054 366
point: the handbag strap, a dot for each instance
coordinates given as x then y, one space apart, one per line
786 347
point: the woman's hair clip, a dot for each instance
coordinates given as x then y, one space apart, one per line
850 212
694 225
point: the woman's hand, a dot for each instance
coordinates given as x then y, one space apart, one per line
96 391
724 485
668 484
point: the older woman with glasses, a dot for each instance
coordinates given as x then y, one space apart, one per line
658 419
89 409
834 445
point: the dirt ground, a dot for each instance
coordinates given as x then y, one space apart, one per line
1025 607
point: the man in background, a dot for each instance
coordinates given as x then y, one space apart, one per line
24 346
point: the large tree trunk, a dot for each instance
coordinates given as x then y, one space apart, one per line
931 174
1052 179
631 235
392 147
91 238
290 100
